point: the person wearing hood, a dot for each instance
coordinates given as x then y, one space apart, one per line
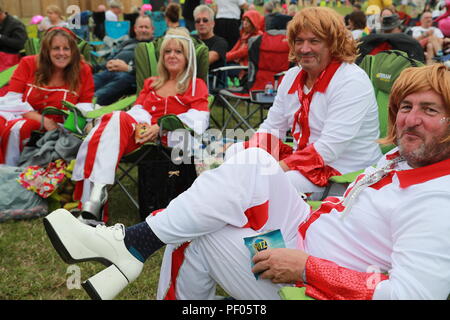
251 26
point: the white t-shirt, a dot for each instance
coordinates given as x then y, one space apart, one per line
111 16
419 30
357 34
229 9
46 24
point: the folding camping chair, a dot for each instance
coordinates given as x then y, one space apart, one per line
115 33
154 160
159 23
268 57
132 18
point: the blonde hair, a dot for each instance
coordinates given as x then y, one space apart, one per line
55 9
163 74
329 26
417 79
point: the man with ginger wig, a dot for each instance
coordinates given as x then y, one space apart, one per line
387 238
326 101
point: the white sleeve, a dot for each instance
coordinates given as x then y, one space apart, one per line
110 16
277 121
438 33
84 107
347 110
416 32
420 250
140 114
195 119
12 106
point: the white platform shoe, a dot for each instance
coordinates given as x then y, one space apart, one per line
77 242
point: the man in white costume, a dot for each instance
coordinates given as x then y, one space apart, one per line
387 238
327 102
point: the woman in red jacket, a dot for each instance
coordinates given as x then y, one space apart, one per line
252 22
57 73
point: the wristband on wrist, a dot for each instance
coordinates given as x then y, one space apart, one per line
304 276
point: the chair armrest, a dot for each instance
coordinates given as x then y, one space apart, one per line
75 120
346 178
227 68
293 293
116 106
171 122
277 77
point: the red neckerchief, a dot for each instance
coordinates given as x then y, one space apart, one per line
319 85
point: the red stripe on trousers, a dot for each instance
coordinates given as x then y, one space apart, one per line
24 133
127 143
93 145
177 261
257 216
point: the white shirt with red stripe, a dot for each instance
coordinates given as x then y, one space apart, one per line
399 225
343 120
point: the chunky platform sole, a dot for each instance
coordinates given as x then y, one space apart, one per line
104 285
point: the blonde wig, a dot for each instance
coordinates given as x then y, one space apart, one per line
182 38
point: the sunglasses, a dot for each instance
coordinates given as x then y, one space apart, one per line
204 20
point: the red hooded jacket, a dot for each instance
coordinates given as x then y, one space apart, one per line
239 53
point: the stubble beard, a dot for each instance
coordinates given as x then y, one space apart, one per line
427 153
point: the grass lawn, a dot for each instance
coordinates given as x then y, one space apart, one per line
31 269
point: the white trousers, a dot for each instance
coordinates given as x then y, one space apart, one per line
246 195
298 181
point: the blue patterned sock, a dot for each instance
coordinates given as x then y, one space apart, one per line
141 241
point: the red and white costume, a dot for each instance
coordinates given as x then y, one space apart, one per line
114 136
24 96
334 124
393 242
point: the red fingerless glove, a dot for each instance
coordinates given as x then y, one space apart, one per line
311 165
328 281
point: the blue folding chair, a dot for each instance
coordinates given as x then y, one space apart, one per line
117 29
159 23
115 33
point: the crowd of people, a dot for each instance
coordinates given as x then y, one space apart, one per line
391 219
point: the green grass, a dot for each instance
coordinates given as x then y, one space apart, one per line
31 268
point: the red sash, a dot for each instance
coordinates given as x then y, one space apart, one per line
302 114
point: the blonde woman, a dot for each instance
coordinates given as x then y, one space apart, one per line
175 91
54 18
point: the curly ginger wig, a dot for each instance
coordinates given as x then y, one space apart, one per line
328 25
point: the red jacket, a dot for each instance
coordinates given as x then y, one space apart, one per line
239 53
22 81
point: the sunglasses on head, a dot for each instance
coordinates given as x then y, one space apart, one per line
204 20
